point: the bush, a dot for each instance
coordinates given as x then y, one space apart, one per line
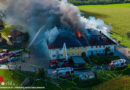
128 34
103 60
86 83
107 75
40 73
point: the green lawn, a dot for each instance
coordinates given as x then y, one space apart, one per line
108 5
16 77
118 15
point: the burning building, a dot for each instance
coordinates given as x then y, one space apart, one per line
68 44
39 16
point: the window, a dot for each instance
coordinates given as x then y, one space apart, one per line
96 46
61 55
53 55
73 54
99 46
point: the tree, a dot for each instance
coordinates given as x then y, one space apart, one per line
40 73
84 56
128 34
107 51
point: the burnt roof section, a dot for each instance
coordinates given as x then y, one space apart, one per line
98 38
69 39
94 38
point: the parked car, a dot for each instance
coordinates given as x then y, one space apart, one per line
15 53
11 54
2 55
13 59
5 51
18 51
3 60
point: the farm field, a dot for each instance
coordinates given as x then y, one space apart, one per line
117 15
122 83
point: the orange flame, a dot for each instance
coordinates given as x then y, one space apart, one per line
79 34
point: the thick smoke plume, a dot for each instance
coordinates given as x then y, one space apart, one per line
52 14
35 13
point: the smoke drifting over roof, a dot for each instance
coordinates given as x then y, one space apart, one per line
39 12
34 14
44 12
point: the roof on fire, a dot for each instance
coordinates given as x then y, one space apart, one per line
73 41
70 41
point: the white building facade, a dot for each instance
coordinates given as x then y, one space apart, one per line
77 51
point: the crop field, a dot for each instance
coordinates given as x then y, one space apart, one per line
117 15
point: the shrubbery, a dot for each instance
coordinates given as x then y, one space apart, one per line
103 60
128 34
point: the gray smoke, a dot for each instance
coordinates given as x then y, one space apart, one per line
39 12
33 14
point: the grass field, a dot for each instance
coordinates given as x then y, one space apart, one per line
118 15
108 5
13 78
122 83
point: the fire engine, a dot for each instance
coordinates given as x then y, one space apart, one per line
54 64
65 72
118 63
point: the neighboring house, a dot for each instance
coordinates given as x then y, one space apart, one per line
78 62
1 24
68 44
16 37
3 42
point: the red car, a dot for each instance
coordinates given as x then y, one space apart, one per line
3 60
11 54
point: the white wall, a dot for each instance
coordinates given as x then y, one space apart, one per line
99 49
77 52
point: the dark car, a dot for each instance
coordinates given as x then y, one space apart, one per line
13 59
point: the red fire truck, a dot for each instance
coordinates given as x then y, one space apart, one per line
65 72
54 64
